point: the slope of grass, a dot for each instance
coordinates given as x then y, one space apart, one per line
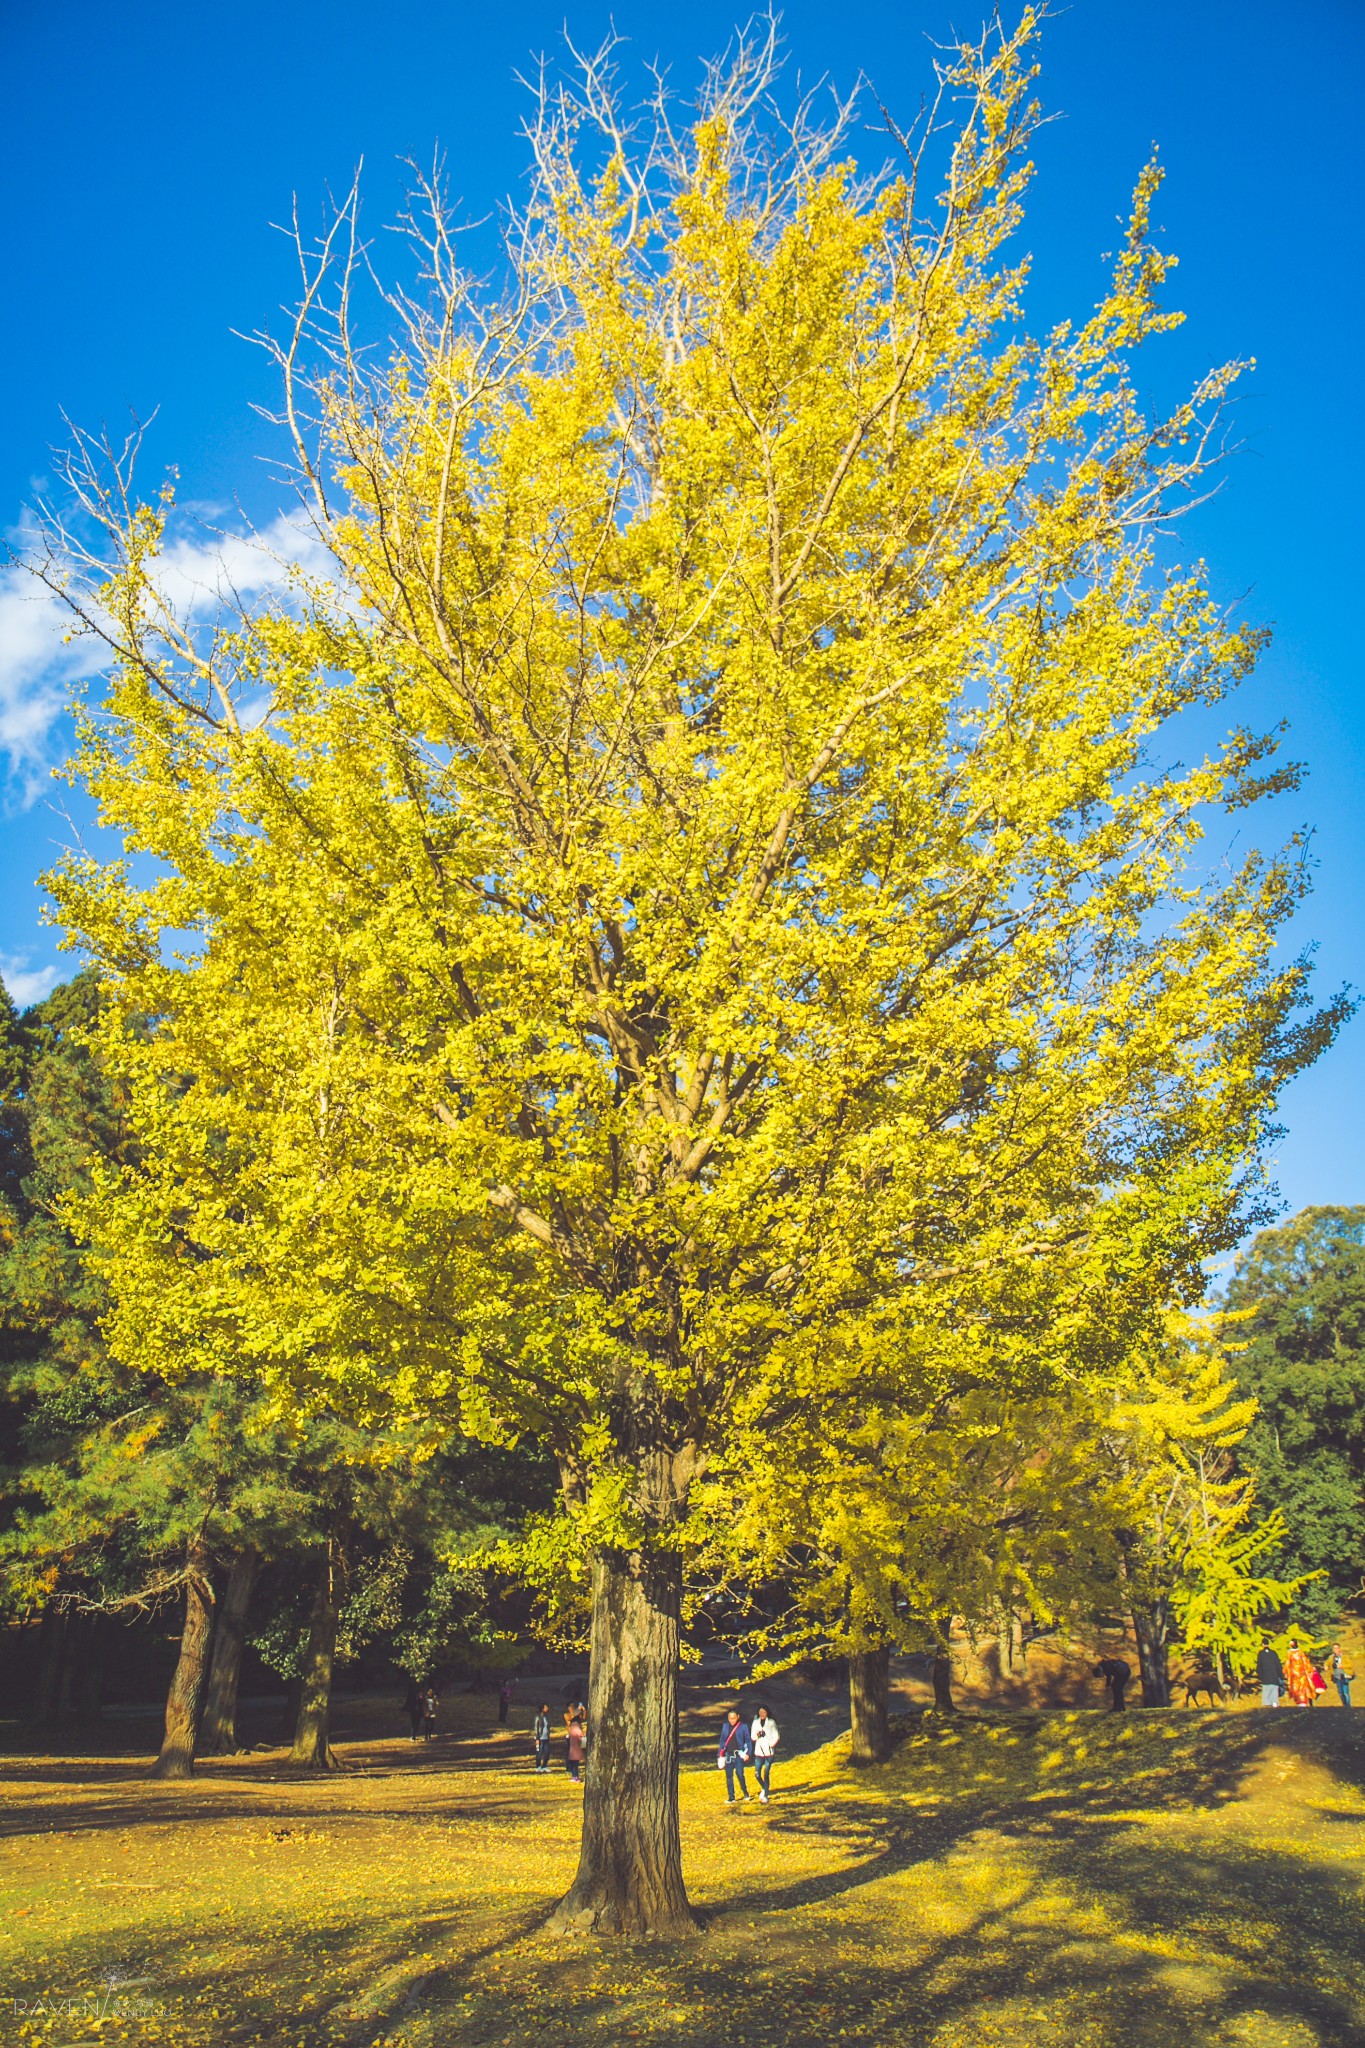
1054 1878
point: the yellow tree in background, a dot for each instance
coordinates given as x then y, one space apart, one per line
891 1515
1192 1558
732 745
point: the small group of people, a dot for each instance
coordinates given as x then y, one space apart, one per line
743 1743
575 1738
420 1704
1298 1676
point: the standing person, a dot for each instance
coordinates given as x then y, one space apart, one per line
1341 1677
541 1736
1319 1682
575 1711
576 1741
733 1752
505 1691
764 1737
1298 1676
413 1708
1269 1673
1116 1674
429 1706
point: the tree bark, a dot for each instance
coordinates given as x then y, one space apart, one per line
218 1726
312 1744
629 1877
1151 1626
53 1630
68 1689
87 1687
289 1712
176 1759
869 1679
941 1671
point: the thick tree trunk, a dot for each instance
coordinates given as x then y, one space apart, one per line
289 1712
1151 1626
176 1759
941 1673
52 1634
312 1745
630 1861
87 1686
869 1680
218 1726
68 1689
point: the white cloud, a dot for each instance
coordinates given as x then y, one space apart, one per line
26 984
200 578
36 669
40 664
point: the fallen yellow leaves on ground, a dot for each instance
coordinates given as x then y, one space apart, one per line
1041 1878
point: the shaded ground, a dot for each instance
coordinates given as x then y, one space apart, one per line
1044 1878
467 1725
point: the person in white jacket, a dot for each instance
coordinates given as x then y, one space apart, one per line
764 1738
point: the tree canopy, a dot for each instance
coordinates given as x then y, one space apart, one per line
709 872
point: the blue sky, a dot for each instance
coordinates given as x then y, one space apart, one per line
147 149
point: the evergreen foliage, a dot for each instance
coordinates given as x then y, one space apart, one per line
58 1385
121 1482
1299 1297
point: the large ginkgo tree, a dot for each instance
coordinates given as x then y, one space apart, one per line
723 786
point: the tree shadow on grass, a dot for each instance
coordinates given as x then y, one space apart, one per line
1105 1922
1042 1880
1005 1973
44 1794
329 1982
121 1805
1028 1776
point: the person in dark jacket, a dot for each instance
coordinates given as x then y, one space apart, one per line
1116 1675
1269 1674
734 1750
541 1735
415 1708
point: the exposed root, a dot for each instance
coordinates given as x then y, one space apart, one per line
576 1916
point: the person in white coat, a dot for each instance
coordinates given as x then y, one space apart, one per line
764 1737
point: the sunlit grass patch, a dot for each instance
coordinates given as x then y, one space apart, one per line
1048 1879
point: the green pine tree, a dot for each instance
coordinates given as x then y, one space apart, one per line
1300 1290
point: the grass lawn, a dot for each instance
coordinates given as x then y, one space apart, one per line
1034 1878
